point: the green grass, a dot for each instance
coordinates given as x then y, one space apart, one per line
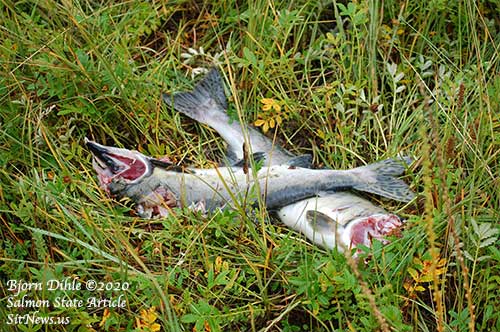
420 78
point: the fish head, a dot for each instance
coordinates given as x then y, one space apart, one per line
376 226
128 173
112 164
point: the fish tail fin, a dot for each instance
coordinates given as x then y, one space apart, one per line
381 179
206 100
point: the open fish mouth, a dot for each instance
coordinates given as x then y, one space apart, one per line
130 167
112 163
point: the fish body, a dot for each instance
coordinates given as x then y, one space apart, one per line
342 220
207 104
150 182
339 219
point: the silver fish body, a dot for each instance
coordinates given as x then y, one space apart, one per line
126 173
342 220
339 219
207 104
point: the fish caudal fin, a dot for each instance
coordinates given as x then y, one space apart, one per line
206 99
380 178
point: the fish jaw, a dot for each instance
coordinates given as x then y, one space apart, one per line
364 230
120 170
112 163
104 175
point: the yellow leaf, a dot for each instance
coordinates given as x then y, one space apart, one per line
138 323
277 107
268 103
105 317
321 134
419 288
143 313
259 122
218 263
151 315
265 128
278 119
271 123
417 261
413 273
155 327
426 278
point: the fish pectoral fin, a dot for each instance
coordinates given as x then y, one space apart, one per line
319 221
257 157
230 158
304 161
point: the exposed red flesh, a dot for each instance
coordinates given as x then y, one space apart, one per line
136 169
374 227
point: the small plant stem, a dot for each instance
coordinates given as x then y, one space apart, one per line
429 209
451 228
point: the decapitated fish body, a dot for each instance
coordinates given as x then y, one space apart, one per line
339 219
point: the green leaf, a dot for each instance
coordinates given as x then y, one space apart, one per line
189 318
488 242
249 56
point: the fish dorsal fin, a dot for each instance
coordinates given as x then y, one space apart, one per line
230 158
320 222
304 161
